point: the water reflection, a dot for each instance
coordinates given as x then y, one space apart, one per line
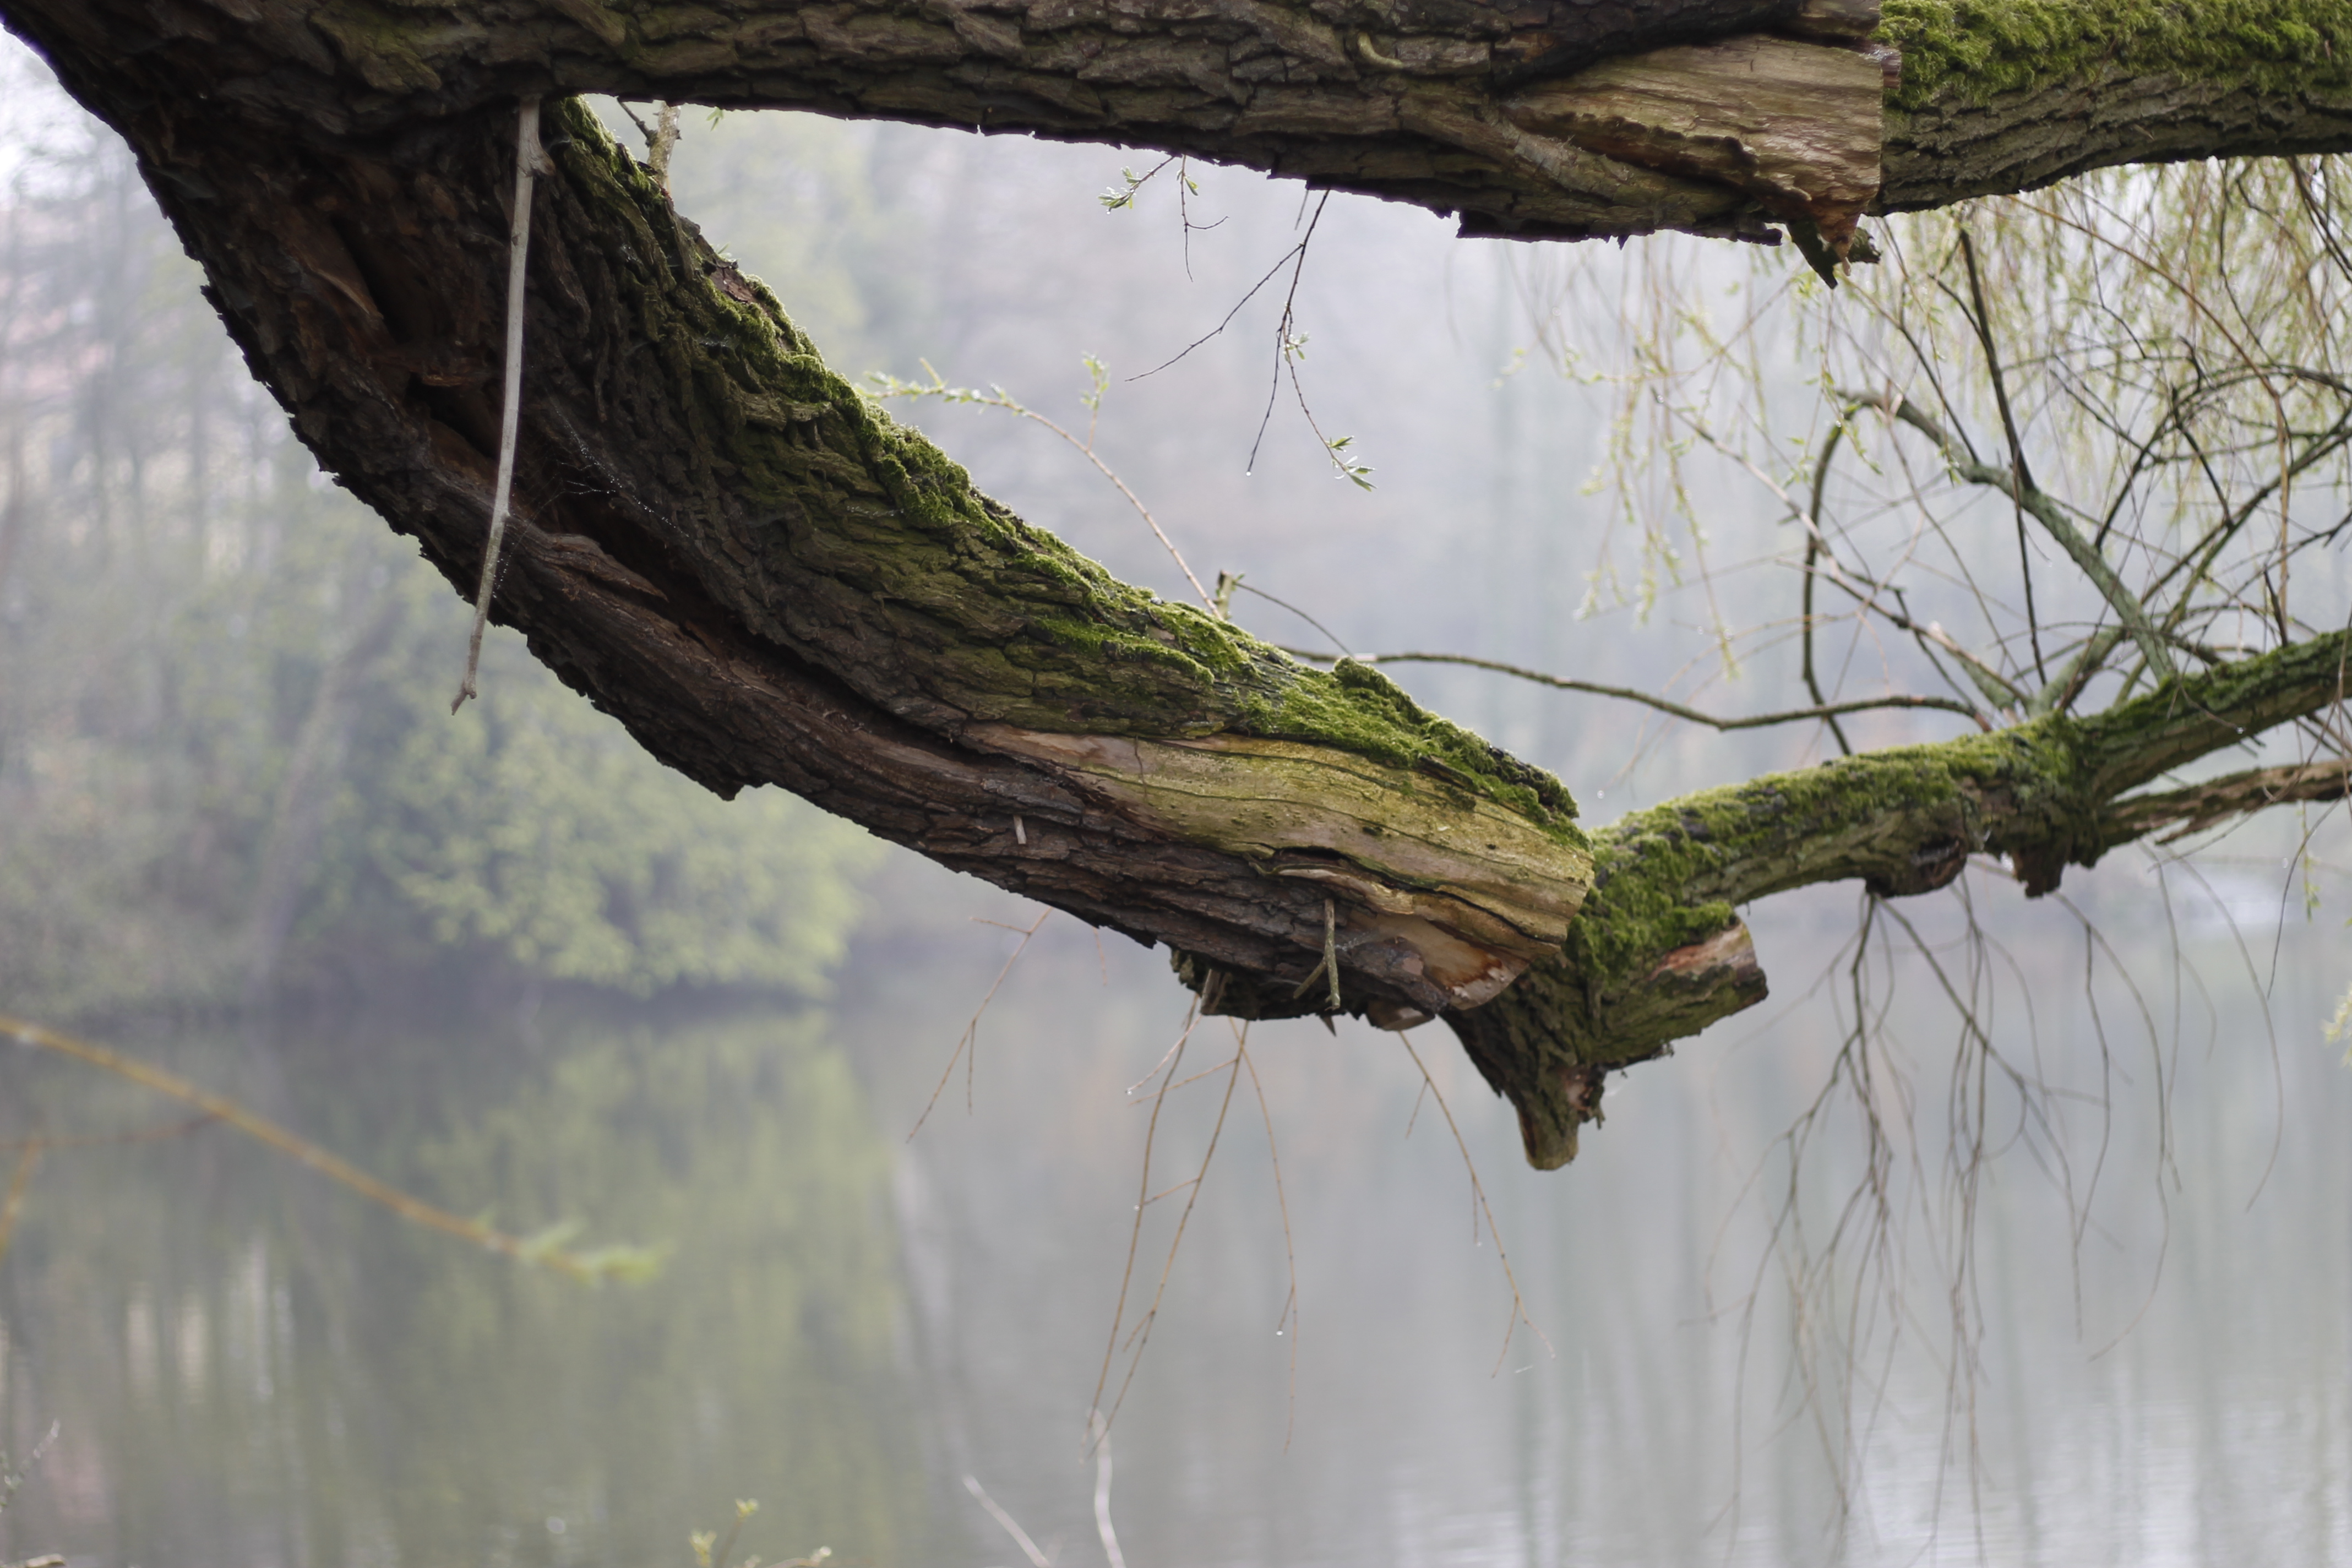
249 1367
246 1367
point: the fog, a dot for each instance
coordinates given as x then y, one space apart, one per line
511 965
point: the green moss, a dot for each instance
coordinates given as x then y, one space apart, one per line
1013 624
1974 49
1673 875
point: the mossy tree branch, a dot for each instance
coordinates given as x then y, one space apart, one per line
741 557
743 560
1658 951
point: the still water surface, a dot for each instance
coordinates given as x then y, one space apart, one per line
246 1366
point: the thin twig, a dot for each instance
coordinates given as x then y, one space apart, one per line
1478 1190
997 398
1174 1059
1982 319
1628 694
1020 1536
1099 1430
1229 583
1142 1335
970 1039
1289 1315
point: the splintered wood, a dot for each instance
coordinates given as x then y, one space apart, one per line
1798 126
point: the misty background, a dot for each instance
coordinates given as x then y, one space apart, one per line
509 963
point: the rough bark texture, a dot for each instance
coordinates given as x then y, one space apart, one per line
737 554
1425 101
766 579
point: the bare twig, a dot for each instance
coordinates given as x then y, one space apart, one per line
968 1043
1982 319
1477 1190
1288 1322
2045 510
1628 694
997 398
1020 1536
1141 1335
1099 1430
1174 1059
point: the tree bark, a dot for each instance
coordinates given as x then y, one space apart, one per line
766 579
1532 118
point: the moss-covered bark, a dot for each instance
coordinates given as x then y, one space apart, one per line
767 580
1657 952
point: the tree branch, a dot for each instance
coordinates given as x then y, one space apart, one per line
2200 807
1658 951
1533 119
1829 711
740 557
2015 484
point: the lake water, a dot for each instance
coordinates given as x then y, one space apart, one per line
245 1365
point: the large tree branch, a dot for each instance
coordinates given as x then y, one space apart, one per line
747 563
1534 118
766 579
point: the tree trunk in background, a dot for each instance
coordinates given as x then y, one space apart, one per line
735 553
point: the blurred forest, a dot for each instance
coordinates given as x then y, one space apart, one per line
509 963
228 762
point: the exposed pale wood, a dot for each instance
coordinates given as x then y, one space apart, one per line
1447 898
1796 125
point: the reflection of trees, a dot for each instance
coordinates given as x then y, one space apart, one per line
376 1390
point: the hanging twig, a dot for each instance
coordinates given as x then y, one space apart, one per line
1020 1536
1478 1191
969 1041
1099 1430
1982 319
530 162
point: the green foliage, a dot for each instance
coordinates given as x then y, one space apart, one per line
532 826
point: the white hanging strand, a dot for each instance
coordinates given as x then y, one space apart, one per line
529 162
